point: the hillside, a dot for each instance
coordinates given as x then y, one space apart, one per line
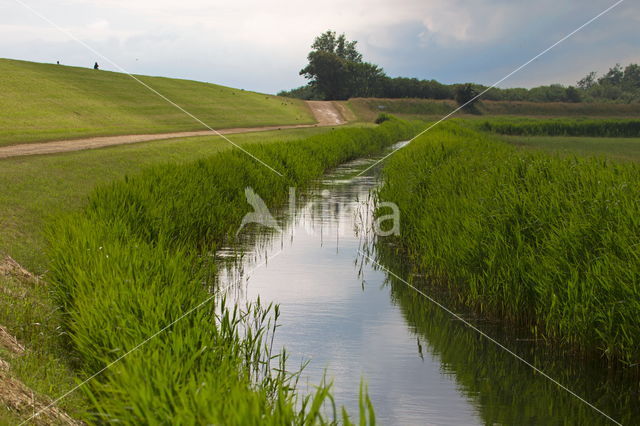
43 102
368 108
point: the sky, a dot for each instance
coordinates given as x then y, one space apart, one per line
261 45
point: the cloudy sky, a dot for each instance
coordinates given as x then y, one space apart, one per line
262 44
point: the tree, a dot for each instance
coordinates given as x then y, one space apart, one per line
588 81
365 80
327 73
335 67
338 45
631 79
466 96
613 77
572 95
305 92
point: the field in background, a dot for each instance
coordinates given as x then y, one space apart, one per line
43 102
614 139
367 109
619 149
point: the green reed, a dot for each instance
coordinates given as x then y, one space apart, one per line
563 127
548 242
137 259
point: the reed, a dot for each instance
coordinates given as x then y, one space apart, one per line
563 127
549 242
137 259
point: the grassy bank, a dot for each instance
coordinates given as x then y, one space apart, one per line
50 102
538 240
37 188
136 259
46 365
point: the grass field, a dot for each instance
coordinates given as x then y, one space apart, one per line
550 231
43 102
367 109
619 149
614 139
37 188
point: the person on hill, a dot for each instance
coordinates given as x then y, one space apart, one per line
95 66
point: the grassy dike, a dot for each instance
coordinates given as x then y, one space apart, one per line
136 259
537 240
42 102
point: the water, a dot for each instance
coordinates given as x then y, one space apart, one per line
350 321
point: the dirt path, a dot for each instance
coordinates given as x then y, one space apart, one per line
325 112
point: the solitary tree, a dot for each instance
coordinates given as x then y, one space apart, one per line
329 42
335 67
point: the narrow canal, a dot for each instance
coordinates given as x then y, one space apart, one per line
352 322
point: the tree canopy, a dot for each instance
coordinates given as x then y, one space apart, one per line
336 71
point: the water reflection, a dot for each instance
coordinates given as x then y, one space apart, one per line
346 317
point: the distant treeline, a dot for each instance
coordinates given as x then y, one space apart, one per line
401 87
336 71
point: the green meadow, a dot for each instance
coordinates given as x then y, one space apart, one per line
42 102
367 109
618 149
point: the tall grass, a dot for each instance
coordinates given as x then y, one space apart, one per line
564 127
548 242
137 259
510 394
